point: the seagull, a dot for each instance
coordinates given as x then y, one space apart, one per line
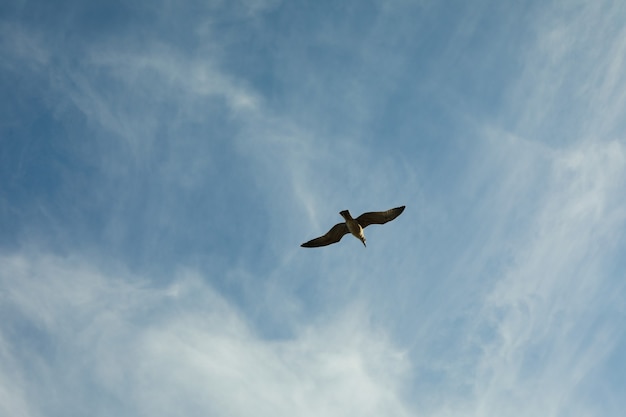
354 226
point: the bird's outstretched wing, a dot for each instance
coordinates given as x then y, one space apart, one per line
334 235
379 217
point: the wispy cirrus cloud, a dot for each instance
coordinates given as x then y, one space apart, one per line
548 338
571 70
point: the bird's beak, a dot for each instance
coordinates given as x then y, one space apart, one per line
364 243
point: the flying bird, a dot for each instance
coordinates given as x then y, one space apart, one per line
354 226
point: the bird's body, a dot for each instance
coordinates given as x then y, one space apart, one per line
354 226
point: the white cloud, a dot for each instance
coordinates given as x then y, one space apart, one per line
572 70
13 399
179 350
547 310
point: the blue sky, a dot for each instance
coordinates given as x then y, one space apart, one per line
161 163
